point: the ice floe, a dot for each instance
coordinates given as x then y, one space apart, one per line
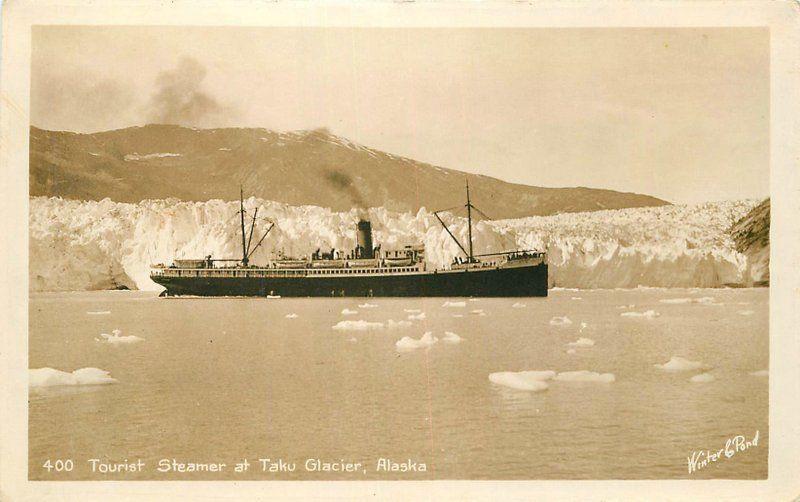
582 342
536 380
705 300
451 337
679 364
522 380
560 321
454 304
648 314
408 343
584 376
702 378
49 377
349 312
116 338
359 325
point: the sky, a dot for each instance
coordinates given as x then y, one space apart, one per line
681 114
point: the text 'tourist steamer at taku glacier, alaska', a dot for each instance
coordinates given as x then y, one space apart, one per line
363 272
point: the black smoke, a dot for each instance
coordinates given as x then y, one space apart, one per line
344 183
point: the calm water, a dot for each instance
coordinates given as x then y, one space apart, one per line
220 380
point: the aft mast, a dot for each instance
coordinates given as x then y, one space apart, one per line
241 214
469 223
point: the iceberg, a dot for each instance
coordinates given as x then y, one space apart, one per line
679 364
450 337
648 314
584 376
86 245
408 343
49 377
357 325
560 321
116 338
522 380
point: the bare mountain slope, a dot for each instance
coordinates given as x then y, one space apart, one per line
298 168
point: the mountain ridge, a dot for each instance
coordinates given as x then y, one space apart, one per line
310 167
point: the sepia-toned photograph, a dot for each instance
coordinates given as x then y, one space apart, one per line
372 252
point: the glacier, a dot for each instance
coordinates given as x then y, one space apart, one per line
85 245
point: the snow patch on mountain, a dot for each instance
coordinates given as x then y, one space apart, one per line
80 245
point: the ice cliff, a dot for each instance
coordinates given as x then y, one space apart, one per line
79 245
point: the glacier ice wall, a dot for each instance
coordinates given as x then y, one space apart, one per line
79 245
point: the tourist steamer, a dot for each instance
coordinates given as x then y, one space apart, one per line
365 271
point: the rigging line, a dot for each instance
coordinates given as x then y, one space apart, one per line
261 240
252 227
450 233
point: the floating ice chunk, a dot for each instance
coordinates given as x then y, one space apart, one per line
135 156
367 306
649 314
49 377
702 378
522 380
560 321
399 324
454 304
349 312
291 316
357 325
584 376
676 301
478 312
705 300
451 337
416 317
408 343
458 315
571 351
98 312
519 305
582 342
760 373
746 312
116 338
679 364
412 311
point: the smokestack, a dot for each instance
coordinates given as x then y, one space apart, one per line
364 238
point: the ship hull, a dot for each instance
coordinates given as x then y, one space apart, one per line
526 281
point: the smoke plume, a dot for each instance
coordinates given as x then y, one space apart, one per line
344 183
179 98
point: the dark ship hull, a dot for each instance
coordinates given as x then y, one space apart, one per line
520 281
